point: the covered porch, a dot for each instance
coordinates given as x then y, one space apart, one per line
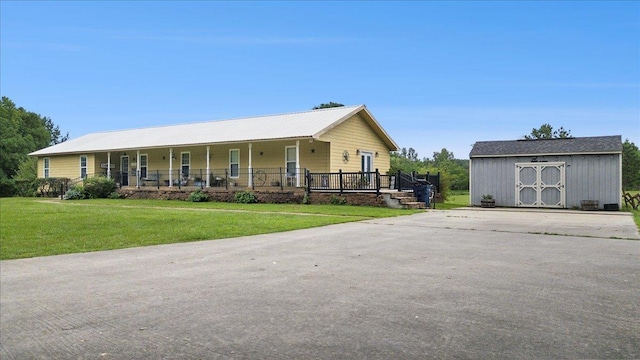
262 164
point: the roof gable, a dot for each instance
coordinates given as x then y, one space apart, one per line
578 145
308 124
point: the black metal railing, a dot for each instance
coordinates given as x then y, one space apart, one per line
216 178
344 181
406 181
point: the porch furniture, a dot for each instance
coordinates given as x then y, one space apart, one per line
151 179
218 181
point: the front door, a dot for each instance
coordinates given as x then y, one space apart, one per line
366 161
540 184
124 171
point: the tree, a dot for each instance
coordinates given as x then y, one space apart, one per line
454 173
21 132
328 105
443 158
630 166
545 131
405 161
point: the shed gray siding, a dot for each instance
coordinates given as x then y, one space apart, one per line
588 177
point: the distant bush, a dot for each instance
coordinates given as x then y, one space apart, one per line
246 197
75 193
116 195
99 187
198 196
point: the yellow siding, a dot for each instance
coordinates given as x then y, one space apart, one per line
64 166
273 156
323 155
352 135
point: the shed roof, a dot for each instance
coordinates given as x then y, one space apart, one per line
307 124
566 146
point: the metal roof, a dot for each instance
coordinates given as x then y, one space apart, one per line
567 146
308 124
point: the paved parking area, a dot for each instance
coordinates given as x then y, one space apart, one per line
441 284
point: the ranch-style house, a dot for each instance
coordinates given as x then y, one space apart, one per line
271 150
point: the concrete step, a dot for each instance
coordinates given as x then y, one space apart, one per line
415 205
405 200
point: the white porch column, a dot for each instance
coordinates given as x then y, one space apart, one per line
298 163
208 166
250 166
109 164
138 168
170 167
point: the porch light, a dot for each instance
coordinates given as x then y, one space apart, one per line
313 150
377 154
261 153
358 152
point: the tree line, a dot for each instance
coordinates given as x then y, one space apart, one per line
22 132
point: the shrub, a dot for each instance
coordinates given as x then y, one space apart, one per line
198 196
76 193
99 187
50 187
116 195
338 200
246 197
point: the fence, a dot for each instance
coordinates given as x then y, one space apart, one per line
263 178
344 181
404 181
218 178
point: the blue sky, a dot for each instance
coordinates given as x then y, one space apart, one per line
434 74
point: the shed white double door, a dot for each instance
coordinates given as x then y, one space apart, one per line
540 184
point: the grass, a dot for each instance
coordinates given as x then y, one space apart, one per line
455 199
32 227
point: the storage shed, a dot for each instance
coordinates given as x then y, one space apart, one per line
549 173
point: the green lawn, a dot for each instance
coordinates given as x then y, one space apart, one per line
455 199
40 227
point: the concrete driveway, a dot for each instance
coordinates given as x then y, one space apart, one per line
441 284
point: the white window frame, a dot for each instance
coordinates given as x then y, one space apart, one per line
182 164
231 163
287 161
86 163
46 167
144 165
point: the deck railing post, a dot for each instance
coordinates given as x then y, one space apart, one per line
158 179
226 179
281 180
398 180
377 182
253 185
201 182
340 179
179 179
307 174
